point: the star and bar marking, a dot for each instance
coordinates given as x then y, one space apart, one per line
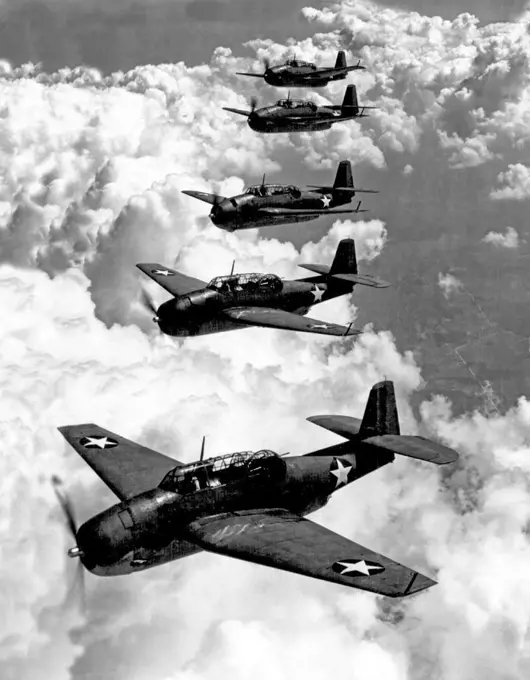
318 293
162 272
326 200
357 568
340 471
98 442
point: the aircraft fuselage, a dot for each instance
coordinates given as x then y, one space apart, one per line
201 312
299 77
241 212
297 119
150 529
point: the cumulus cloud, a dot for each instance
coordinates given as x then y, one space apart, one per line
516 183
91 179
510 239
449 284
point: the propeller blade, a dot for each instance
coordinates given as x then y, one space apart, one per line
77 587
253 104
65 504
266 63
147 302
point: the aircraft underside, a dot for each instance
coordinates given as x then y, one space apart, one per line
263 221
308 126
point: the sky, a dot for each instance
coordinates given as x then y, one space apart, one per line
93 161
124 33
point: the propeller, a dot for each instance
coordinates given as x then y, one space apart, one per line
78 584
253 104
148 303
266 63
215 205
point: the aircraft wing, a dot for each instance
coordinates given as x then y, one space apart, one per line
126 468
278 318
212 199
308 211
252 75
175 283
280 539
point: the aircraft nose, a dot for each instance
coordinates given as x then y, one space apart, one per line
101 541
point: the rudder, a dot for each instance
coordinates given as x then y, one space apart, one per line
344 176
341 60
381 415
345 260
350 103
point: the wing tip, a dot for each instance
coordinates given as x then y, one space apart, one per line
417 583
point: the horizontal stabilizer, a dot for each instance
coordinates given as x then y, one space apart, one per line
360 279
363 280
350 190
239 111
345 426
414 447
252 75
212 199
322 269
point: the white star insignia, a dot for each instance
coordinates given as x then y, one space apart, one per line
98 442
360 567
319 325
336 113
341 472
162 272
326 200
318 293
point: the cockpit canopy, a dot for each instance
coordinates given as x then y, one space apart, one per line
271 189
239 283
259 467
297 63
296 104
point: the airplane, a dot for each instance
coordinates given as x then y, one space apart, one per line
264 205
250 505
301 115
297 73
242 300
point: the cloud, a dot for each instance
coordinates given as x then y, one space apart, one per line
92 171
449 284
510 239
517 183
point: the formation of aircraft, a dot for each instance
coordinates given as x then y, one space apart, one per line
297 73
242 300
301 115
265 205
250 505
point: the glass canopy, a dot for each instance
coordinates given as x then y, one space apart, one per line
270 189
296 104
239 283
297 63
260 466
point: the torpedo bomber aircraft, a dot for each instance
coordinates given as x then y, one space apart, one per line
264 205
301 115
242 300
248 505
297 73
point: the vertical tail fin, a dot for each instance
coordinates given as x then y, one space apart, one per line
341 60
344 176
345 260
350 103
381 415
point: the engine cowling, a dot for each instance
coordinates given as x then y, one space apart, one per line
149 520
